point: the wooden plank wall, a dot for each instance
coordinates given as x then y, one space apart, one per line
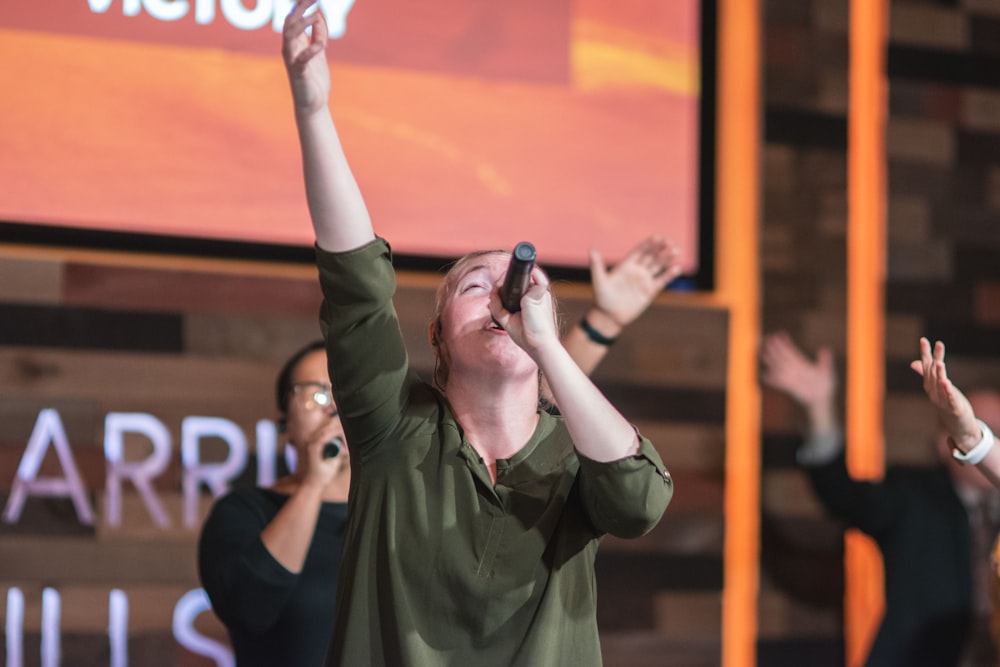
89 339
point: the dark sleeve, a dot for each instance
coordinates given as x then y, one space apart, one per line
626 498
870 506
247 586
369 369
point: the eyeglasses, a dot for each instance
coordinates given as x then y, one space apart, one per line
313 395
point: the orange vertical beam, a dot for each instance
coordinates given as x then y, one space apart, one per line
737 205
864 602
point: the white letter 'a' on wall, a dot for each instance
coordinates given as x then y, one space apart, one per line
48 428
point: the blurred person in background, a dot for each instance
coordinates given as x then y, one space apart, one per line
934 525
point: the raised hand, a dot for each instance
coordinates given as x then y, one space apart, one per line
810 383
625 291
952 406
304 55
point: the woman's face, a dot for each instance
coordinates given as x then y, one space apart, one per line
310 403
471 340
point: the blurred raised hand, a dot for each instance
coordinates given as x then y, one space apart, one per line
812 383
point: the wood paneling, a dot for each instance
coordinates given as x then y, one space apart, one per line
223 338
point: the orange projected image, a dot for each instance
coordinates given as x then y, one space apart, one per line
568 123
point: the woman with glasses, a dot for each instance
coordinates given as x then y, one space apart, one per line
475 516
269 557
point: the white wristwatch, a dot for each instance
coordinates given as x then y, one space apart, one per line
975 455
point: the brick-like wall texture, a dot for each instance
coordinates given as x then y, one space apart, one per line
943 156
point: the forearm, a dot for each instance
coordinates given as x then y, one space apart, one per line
339 215
824 439
589 349
598 430
821 416
586 352
966 435
990 467
290 533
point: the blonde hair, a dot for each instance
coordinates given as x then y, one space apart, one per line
441 297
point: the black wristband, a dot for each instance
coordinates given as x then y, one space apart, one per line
594 335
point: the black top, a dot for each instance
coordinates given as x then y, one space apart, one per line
274 617
922 529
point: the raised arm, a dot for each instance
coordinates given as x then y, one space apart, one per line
621 295
811 384
955 412
340 218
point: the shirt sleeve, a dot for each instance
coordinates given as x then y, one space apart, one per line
627 497
870 506
368 364
248 587
820 448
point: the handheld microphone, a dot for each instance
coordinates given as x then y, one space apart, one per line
522 260
332 449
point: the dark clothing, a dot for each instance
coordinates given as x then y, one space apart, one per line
441 566
274 617
922 529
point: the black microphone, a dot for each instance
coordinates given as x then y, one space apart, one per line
522 260
332 449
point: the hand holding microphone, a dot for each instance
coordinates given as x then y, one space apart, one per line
535 324
332 448
518 279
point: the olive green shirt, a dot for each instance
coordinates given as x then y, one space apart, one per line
441 566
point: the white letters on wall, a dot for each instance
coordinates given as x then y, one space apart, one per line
51 614
14 630
235 12
48 429
118 627
215 475
187 610
141 473
267 446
